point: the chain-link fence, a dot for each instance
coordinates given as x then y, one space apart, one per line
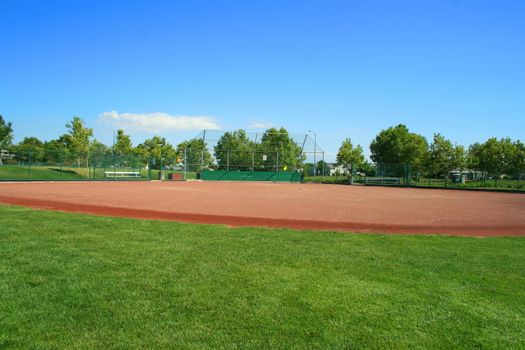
419 176
232 155
63 165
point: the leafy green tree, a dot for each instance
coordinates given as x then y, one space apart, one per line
349 155
156 150
80 139
441 156
397 145
57 151
31 147
280 149
6 134
459 158
322 168
123 144
519 158
496 157
196 152
508 155
473 156
98 148
366 168
234 151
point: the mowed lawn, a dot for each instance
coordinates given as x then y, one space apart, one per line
78 281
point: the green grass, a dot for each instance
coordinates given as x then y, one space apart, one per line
339 179
50 172
502 184
16 172
77 281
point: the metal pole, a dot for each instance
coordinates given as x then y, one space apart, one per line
185 162
228 161
277 163
315 151
29 164
253 160
322 174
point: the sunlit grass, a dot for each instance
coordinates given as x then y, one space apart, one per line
78 281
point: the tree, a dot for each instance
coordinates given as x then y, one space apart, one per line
280 149
234 150
459 158
508 155
397 145
80 139
157 150
441 155
496 157
322 168
6 134
473 156
123 145
31 147
348 155
519 158
57 151
196 153
98 148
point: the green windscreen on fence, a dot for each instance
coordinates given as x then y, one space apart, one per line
250 176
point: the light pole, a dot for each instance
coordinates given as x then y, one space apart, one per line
315 151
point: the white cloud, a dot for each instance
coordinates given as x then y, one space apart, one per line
158 122
258 124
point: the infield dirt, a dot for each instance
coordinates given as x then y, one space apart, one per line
298 206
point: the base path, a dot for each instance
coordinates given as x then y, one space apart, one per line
299 206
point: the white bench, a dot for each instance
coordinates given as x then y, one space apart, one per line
382 180
121 173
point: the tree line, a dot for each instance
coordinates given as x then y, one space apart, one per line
395 145
398 146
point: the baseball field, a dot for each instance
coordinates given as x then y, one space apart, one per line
189 265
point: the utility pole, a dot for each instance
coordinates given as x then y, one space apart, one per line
315 151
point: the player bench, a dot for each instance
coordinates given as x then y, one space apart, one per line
121 173
382 180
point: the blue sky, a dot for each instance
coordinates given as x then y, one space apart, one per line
340 68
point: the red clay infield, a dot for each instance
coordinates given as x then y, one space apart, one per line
300 206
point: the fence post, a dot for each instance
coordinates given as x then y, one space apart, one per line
228 160
253 161
277 162
114 167
186 163
322 174
29 165
408 174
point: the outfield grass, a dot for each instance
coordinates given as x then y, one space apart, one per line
16 172
502 184
51 172
78 281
